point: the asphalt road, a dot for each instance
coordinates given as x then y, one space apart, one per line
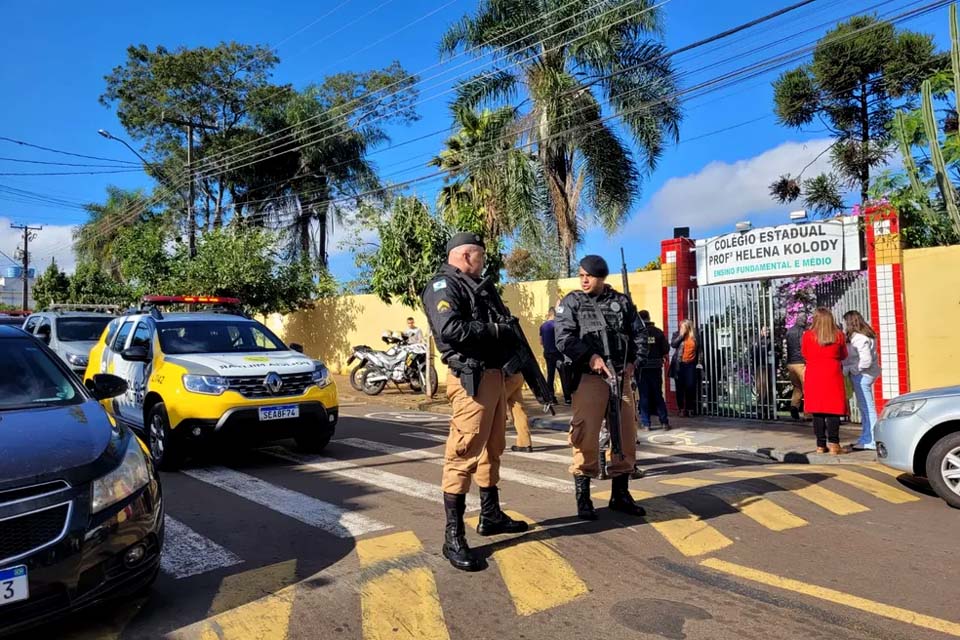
273 544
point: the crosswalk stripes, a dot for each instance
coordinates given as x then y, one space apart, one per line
679 526
401 603
536 575
306 509
187 553
829 500
378 478
757 508
875 488
535 480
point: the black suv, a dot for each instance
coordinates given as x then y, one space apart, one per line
81 518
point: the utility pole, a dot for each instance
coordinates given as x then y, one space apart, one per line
27 236
191 218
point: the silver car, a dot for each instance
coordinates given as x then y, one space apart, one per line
71 334
919 433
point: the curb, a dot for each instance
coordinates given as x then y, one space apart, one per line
797 457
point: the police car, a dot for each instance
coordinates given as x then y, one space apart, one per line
194 376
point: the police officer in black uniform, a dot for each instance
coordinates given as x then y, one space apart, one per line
475 343
582 318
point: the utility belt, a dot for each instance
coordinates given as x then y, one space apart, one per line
469 371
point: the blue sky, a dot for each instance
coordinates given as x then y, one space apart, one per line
56 54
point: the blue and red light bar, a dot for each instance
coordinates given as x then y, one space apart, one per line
190 300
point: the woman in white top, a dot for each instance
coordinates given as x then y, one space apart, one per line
863 368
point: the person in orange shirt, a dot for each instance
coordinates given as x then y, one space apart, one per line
683 367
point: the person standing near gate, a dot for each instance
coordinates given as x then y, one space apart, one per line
552 356
650 378
824 349
593 325
862 367
796 366
683 366
763 381
475 348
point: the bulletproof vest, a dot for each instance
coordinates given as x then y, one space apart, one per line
604 314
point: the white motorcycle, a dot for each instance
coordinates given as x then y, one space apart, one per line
402 363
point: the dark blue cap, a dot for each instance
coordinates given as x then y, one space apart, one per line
462 238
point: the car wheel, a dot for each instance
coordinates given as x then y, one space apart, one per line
356 377
371 388
164 449
943 469
312 439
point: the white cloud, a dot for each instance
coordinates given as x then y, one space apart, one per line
724 192
53 241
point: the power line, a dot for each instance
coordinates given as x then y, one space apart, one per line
67 173
62 152
59 164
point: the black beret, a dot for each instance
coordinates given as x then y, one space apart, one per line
462 238
595 266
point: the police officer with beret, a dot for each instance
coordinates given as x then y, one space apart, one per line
475 348
581 317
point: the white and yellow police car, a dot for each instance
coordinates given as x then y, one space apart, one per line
196 376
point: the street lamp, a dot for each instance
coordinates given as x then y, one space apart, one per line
109 136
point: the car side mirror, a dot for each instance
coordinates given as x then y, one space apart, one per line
135 353
43 334
106 385
296 346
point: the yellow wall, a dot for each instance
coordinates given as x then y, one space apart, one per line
932 300
334 326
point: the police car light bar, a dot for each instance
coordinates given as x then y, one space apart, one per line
190 300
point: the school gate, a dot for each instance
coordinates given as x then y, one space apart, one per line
738 286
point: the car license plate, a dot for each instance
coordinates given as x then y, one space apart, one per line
282 412
13 585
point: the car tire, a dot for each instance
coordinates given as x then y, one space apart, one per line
164 449
356 377
939 459
313 440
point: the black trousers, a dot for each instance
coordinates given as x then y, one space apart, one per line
687 387
554 364
827 428
650 384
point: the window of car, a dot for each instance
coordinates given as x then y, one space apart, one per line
142 335
31 324
45 328
30 378
112 330
122 334
81 329
217 337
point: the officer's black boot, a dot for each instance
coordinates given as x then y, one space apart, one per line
620 498
584 504
455 547
492 519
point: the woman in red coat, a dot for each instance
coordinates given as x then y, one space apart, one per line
825 396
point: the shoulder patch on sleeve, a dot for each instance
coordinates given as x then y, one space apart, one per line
440 284
443 306
559 308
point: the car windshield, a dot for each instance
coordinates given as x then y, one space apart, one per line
217 337
31 378
81 329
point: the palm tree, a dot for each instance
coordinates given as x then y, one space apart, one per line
572 64
94 241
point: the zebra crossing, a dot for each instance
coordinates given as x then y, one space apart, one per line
394 573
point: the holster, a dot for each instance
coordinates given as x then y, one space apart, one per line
571 375
469 371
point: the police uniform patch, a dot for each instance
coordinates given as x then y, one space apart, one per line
615 306
439 284
443 305
559 308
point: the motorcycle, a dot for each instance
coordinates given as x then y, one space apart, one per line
402 363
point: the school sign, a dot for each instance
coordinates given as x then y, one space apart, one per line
776 252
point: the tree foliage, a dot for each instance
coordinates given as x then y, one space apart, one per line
51 287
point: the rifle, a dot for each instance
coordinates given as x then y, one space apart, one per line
594 322
523 360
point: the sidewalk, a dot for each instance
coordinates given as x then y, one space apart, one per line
784 440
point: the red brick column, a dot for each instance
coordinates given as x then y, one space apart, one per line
678 270
888 317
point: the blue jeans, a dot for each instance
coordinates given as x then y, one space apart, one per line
863 388
650 385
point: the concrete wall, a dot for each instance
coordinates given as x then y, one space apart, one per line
334 326
932 300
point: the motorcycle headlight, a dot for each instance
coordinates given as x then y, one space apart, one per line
77 360
131 476
210 385
321 375
901 409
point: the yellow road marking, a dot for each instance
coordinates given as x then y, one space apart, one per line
240 588
829 500
690 535
388 547
837 597
401 604
757 508
873 487
536 575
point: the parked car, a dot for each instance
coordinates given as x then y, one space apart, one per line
70 331
81 518
919 433
197 376
11 321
